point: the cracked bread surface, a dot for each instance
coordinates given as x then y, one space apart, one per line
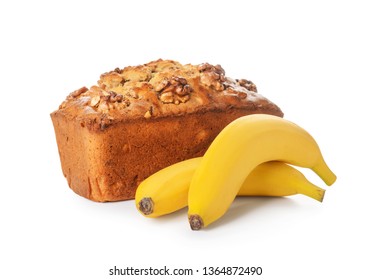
140 119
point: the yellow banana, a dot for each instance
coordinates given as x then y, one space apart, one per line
236 151
275 178
166 191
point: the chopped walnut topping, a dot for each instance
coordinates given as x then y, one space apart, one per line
247 84
103 107
110 79
119 71
184 90
235 92
78 92
206 67
174 90
167 97
73 95
132 93
94 101
163 84
136 73
104 101
183 98
212 76
114 97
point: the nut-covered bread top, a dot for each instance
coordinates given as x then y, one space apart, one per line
158 89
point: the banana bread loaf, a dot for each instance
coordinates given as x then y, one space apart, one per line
138 120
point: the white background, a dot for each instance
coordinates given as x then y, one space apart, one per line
312 59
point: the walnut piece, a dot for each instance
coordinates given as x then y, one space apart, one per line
167 97
110 79
247 84
174 90
78 92
212 76
136 73
94 101
104 101
114 97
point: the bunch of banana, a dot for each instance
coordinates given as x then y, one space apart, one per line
167 190
247 158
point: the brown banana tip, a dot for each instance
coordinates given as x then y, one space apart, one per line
146 205
196 222
322 197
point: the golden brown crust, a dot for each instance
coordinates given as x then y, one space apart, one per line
160 88
138 120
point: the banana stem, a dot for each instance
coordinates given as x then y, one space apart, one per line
312 191
323 170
